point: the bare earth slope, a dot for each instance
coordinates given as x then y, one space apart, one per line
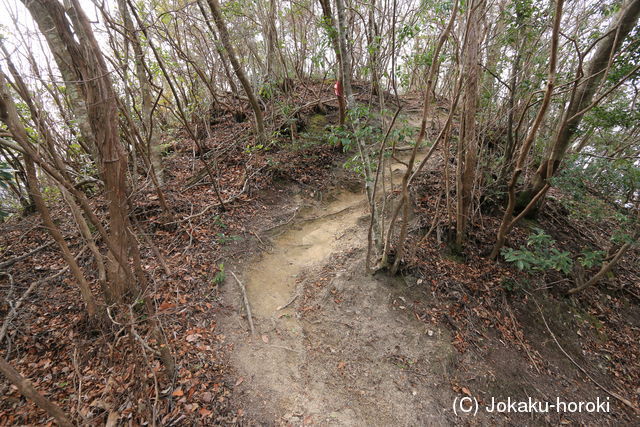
344 350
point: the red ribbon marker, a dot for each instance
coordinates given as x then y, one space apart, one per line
337 88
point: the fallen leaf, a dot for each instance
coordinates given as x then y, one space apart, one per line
240 380
112 419
166 306
265 339
178 392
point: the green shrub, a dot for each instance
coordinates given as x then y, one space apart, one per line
220 276
539 254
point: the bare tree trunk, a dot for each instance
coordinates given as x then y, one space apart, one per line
584 91
49 17
333 35
103 114
85 231
28 390
9 116
468 143
181 112
431 75
276 68
153 145
512 137
237 67
344 54
507 220
493 54
79 196
81 52
404 201
83 285
373 48
219 50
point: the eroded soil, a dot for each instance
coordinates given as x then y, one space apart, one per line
337 346
334 345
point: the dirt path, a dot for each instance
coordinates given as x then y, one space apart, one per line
345 350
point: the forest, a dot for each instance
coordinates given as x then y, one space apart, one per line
301 212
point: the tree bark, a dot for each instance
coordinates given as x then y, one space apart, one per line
220 51
79 50
153 145
9 116
433 70
51 20
468 142
507 220
237 67
333 36
344 54
584 91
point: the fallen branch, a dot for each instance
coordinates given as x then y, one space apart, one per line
34 285
284 223
14 309
403 148
224 202
257 237
246 302
27 390
332 214
282 307
21 257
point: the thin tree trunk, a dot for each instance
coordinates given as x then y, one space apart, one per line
606 267
344 54
431 75
468 145
103 114
404 201
226 42
507 219
333 35
85 231
584 91
181 111
50 20
220 51
28 390
79 50
9 116
512 137
153 144
373 48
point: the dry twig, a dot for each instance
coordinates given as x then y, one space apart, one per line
246 302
